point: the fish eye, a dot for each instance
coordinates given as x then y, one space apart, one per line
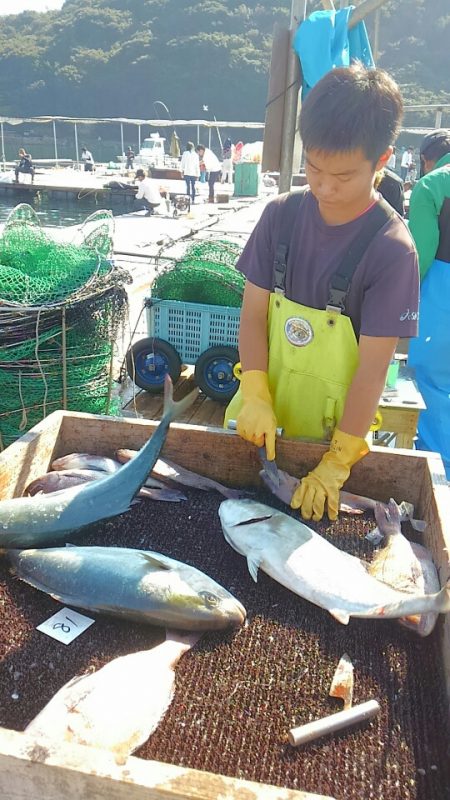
210 598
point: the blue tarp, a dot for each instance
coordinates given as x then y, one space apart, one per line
323 42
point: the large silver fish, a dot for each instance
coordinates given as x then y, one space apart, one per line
404 565
304 562
96 710
348 503
44 518
66 478
167 470
133 584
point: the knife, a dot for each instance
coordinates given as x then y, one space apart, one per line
270 467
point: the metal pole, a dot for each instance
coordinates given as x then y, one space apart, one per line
298 12
76 142
198 134
3 146
56 147
121 138
376 36
438 121
209 138
139 136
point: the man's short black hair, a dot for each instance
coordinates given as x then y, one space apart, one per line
352 108
200 147
140 172
435 144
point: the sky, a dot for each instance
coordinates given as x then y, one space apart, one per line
16 6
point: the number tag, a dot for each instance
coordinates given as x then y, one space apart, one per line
65 625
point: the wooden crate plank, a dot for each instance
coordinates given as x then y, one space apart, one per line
73 772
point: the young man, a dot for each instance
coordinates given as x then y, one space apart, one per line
406 162
315 352
212 166
25 166
148 196
429 223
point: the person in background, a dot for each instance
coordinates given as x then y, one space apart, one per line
87 159
407 157
130 155
429 354
315 343
391 187
412 173
393 160
190 169
25 166
148 196
212 166
227 161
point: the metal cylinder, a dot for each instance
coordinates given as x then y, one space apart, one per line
335 722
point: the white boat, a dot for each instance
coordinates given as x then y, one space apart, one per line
152 154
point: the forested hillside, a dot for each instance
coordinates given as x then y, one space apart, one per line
115 57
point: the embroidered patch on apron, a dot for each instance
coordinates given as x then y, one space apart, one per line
298 331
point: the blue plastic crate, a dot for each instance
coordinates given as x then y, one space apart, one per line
191 328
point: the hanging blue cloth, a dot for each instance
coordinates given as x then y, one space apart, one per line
323 42
429 356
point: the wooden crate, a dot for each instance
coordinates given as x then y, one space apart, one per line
75 772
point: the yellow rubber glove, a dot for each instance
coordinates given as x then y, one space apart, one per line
322 485
256 421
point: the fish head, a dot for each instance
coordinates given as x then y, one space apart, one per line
190 599
388 518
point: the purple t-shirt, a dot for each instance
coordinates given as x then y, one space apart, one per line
383 298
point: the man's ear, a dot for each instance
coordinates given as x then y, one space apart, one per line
383 159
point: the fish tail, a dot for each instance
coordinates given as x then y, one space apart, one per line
174 410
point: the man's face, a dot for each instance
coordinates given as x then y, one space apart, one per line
201 152
341 180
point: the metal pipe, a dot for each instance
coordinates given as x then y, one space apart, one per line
121 139
438 120
3 145
376 36
139 136
298 11
56 146
332 723
76 142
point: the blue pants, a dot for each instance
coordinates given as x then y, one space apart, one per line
190 186
429 354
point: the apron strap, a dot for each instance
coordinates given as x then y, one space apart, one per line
340 282
292 202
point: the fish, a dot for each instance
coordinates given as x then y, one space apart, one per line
348 503
139 585
64 479
167 470
404 565
95 710
45 518
86 461
304 562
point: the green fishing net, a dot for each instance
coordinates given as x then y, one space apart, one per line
61 306
205 274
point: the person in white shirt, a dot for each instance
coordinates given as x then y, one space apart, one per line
392 160
86 156
190 169
212 165
148 195
407 158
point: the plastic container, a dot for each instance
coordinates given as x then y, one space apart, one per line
192 328
247 178
392 375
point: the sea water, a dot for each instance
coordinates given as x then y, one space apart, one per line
59 213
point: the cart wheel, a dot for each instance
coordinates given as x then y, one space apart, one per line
149 360
214 373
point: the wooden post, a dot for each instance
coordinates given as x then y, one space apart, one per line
376 36
273 124
364 8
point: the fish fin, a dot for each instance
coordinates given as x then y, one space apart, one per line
253 566
340 615
374 536
154 561
174 409
418 525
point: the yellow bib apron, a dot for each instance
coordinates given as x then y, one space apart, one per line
313 356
